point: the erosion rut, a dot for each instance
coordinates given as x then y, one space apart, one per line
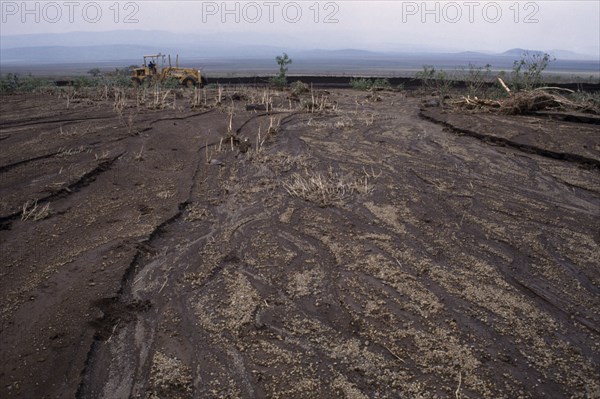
359 251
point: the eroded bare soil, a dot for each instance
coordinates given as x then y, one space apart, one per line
365 250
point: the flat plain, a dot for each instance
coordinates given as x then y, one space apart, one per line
240 242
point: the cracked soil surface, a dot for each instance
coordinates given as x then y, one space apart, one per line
373 249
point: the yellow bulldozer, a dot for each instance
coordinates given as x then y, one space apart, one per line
157 70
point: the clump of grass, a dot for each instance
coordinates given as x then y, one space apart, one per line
360 84
477 79
299 87
120 100
329 189
370 84
318 102
274 126
35 212
433 79
15 83
592 100
67 152
139 156
278 82
344 123
195 212
381 84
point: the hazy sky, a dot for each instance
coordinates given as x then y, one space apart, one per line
377 25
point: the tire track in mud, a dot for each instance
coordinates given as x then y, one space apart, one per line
410 289
500 141
43 121
84 181
581 337
160 241
181 118
6 168
111 308
93 374
273 328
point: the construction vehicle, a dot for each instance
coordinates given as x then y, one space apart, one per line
156 70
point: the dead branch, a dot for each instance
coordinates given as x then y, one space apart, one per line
504 85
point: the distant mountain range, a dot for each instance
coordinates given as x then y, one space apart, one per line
127 47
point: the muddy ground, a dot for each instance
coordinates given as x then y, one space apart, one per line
344 244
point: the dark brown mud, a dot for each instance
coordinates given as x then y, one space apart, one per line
366 249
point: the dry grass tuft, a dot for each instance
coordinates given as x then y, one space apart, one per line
195 212
169 377
531 101
35 212
326 190
67 152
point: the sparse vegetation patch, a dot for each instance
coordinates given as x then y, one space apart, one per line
327 189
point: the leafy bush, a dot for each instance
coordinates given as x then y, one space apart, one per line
170 83
298 87
433 79
119 81
370 84
84 81
427 76
121 77
278 81
95 72
527 72
283 61
361 84
477 79
381 84
9 83
13 83
585 98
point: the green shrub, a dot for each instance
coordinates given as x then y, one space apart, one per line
9 83
95 72
84 81
437 80
381 84
298 87
13 83
361 83
278 81
170 83
527 72
477 78
370 84
427 76
586 99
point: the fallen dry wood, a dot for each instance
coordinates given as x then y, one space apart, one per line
504 86
524 102
556 89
